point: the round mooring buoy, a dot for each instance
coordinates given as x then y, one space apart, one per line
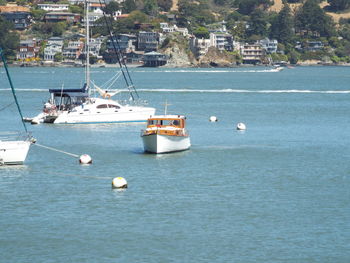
241 126
119 182
213 119
85 159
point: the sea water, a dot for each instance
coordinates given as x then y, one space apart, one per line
277 192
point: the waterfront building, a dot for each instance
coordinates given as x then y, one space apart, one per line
51 50
154 59
28 49
252 53
148 41
270 46
73 50
222 41
199 46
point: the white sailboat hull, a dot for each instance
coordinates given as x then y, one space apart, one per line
158 143
138 114
13 152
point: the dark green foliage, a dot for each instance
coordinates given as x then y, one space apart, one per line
77 9
111 7
196 12
313 21
8 40
282 26
37 14
50 29
246 7
165 5
129 6
258 24
201 32
150 7
339 5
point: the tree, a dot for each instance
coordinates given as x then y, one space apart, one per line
282 26
258 23
112 7
201 32
313 20
338 5
8 40
150 7
165 5
129 6
58 57
246 7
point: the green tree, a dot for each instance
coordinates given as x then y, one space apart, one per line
246 7
201 32
165 5
258 23
112 7
150 7
77 9
129 6
313 20
58 57
59 28
282 26
339 5
38 14
9 40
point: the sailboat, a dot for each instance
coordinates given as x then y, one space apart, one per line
13 147
78 106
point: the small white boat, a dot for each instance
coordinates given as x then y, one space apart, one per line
165 134
13 151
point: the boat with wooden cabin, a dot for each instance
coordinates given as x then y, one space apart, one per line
165 134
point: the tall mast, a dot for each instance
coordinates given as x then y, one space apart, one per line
87 44
12 88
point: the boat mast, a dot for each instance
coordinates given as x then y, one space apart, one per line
12 88
87 44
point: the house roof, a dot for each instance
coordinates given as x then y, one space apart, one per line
12 9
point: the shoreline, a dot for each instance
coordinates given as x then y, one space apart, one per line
62 65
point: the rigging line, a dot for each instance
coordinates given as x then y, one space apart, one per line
57 150
7 106
111 80
122 66
12 88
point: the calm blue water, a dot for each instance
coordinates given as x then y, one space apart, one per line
278 192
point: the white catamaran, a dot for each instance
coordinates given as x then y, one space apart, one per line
14 147
75 106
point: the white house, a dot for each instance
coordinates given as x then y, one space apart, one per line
51 50
54 7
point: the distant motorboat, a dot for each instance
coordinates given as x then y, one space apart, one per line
166 134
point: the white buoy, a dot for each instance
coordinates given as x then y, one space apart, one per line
119 182
241 126
85 159
213 119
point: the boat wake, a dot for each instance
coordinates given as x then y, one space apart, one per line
245 91
269 70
